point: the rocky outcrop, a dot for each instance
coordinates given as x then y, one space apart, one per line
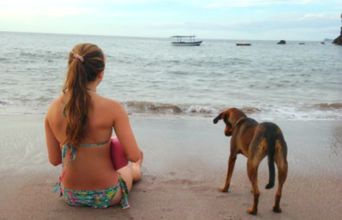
338 40
282 42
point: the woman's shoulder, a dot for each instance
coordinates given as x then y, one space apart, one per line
111 104
55 103
54 111
107 101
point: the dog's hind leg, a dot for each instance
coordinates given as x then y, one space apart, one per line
252 169
280 159
231 164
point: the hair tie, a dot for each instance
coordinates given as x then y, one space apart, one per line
77 56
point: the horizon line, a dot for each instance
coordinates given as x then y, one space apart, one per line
152 37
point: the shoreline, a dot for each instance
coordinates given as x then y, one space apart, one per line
185 163
323 110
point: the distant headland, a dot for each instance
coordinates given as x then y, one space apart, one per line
338 40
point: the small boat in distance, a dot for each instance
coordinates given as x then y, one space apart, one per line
243 44
184 40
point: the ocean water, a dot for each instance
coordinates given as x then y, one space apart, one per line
152 77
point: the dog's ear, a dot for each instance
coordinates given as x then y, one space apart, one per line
219 117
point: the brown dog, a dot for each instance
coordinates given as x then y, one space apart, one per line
255 141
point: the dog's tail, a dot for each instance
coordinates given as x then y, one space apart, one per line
271 138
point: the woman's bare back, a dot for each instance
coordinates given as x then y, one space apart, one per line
93 167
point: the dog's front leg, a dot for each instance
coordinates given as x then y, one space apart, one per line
231 164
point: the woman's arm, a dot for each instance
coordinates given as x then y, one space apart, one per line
125 134
54 151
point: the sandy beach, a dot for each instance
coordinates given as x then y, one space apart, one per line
185 164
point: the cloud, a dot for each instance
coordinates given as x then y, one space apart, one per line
320 16
17 9
42 12
252 3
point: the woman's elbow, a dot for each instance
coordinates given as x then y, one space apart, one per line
55 162
135 158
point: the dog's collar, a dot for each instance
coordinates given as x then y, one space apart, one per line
238 122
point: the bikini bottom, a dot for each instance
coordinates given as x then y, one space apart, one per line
101 198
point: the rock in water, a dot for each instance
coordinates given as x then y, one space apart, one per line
282 42
338 40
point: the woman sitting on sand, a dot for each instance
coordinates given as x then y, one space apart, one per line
78 129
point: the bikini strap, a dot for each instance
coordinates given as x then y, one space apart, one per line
71 149
95 145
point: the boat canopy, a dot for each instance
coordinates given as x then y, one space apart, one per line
185 40
181 38
185 36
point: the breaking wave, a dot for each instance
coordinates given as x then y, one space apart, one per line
328 106
137 107
150 107
3 102
322 111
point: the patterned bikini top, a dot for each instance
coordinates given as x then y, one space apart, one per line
70 150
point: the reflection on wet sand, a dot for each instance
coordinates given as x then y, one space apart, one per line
336 141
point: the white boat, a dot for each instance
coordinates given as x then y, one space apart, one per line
184 40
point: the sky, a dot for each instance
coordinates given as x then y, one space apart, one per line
216 19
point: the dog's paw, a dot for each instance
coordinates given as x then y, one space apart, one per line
224 189
276 209
252 211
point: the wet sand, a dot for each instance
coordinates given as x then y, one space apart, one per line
185 164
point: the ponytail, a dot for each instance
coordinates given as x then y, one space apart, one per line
86 61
